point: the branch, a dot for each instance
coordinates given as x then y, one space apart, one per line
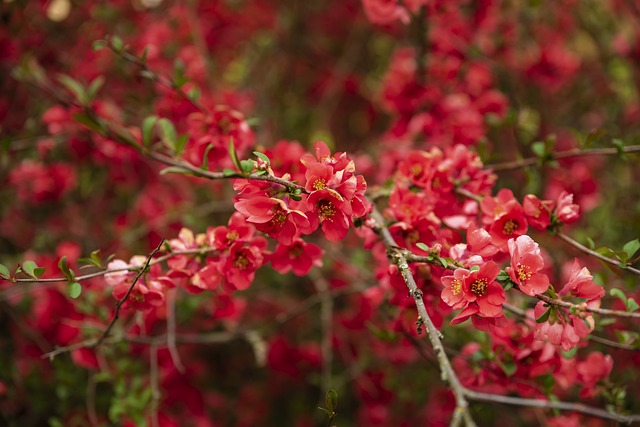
396 255
576 152
172 294
580 307
547 404
108 271
601 257
326 317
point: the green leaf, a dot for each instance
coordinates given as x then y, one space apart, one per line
539 149
423 247
544 317
94 87
632 305
630 248
507 285
509 367
246 166
444 262
143 57
296 198
262 157
234 155
74 87
89 122
4 272
148 124
74 289
176 170
63 265
98 45
618 294
590 243
32 269
331 400
205 157
619 144
475 268
194 94
168 133
117 44
229 172
181 142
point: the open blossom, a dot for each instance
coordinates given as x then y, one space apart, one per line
566 210
143 296
240 264
300 256
526 262
581 284
476 291
538 212
273 217
565 332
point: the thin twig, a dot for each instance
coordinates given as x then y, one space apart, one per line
576 152
602 311
155 384
91 400
326 318
172 295
547 404
593 253
446 370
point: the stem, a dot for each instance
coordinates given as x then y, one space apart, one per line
576 152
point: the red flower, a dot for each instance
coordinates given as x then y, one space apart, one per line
240 264
565 332
300 256
581 285
474 290
566 210
526 261
329 209
538 212
273 217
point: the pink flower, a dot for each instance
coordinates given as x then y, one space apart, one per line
273 217
538 212
559 330
476 291
566 210
300 256
581 285
526 261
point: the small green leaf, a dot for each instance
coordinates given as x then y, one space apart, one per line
234 155
63 265
423 247
205 157
143 57
544 317
74 289
507 285
331 400
168 133
194 94
4 271
229 172
509 367
262 157
181 142
246 166
618 294
176 170
444 262
98 45
148 124
619 144
475 268
590 243
94 87
296 198
117 44
630 248
89 122
539 149
632 305
74 87
32 269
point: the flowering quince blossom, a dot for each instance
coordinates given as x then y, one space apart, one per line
273 217
526 262
566 210
538 212
565 332
143 296
300 256
385 11
504 216
475 291
581 285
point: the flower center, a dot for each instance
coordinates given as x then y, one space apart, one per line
510 226
232 236
524 272
415 170
326 210
479 287
456 287
279 216
320 184
241 262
